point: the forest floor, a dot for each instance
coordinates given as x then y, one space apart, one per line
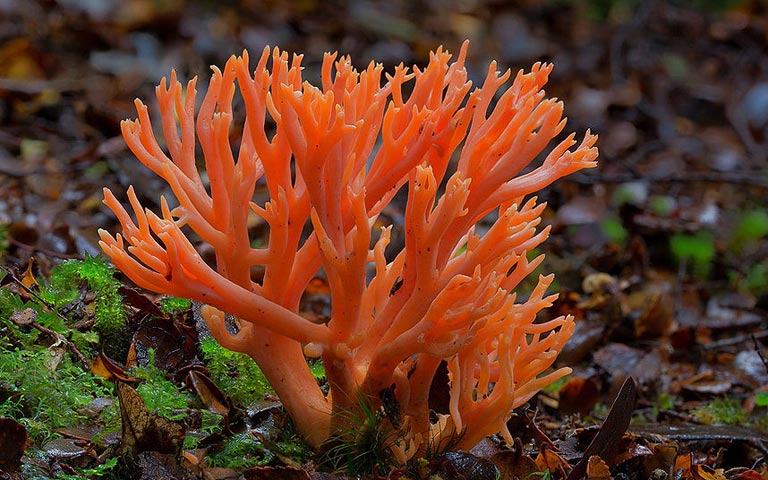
661 252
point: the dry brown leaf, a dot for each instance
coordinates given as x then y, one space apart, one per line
597 469
106 368
578 395
144 431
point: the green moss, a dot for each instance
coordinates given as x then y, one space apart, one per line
43 384
664 401
104 470
317 369
173 305
722 411
45 391
235 373
68 283
160 395
45 387
662 205
240 452
555 387
10 303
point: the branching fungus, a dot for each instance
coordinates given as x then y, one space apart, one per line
335 158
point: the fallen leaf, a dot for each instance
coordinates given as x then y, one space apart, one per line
745 475
28 280
463 465
144 431
13 442
597 469
106 368
705 472
513 464
578 395
211 395
173 345
552 461
276 473
656 317
612 430
682 468
24 318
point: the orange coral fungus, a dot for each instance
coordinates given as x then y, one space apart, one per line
338 155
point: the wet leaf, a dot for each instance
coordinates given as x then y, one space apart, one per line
549 460
24 318
212 397
745 475
13 442
578 395
153 465
612 430
173 345
144 431
705 472
62 448
513 464
139 300
463 465
656 317
276 473
104 367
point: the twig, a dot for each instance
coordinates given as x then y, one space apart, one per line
756 179
620 37
758 349
60 339
49 253
737 340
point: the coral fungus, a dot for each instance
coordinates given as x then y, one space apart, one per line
333 157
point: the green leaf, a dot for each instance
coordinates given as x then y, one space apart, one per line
752 227
697 249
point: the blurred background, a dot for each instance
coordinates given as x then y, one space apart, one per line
677 91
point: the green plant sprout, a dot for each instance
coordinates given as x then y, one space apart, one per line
750 229
3 239
545 475
696 249
365 444
614 231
